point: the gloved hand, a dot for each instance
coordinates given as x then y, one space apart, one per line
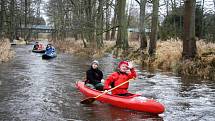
130 65
103 81
105 91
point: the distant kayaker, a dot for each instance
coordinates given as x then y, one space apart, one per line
50 49
125 72
94 76
36 46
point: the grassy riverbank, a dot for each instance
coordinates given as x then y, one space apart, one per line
5 51
168 56
76 47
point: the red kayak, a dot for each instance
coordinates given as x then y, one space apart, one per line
38 51
134 102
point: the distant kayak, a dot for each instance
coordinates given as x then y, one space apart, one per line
49 56
134 102
39 51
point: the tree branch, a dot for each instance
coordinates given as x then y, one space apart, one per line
138 2
108 30
73 3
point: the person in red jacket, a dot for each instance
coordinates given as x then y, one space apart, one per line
126 72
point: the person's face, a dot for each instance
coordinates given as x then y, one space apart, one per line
123 68
94 66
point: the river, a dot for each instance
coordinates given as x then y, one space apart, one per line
32 89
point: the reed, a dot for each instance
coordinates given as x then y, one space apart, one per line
5 50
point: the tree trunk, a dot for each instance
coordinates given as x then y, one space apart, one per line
26 12
189 41
90 24
21 18
122 36
12 21
180 19
154 31
143 40
167 7
26 20
2 18
108 13
62 32
202 21
75 15
114 23
214 4
174 13
99 28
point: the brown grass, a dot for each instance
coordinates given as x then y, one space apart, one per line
204 64
77 47
204 47
168 54
5 52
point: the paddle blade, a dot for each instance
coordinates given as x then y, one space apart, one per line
149 76
88 100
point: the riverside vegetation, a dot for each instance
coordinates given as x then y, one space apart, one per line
168 56
5 50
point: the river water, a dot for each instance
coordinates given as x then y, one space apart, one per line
32 89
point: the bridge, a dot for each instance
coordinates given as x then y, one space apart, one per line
38 29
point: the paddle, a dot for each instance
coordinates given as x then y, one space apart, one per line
149 75
92 99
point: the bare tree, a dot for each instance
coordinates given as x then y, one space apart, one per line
26 13
189 41
167 6
202 21
154 30
114 23
143 40
99 21
122 36
2 17
14 15
108 16
12 20
90 23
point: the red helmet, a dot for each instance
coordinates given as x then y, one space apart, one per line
122 62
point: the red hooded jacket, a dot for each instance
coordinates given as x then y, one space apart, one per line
117 78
